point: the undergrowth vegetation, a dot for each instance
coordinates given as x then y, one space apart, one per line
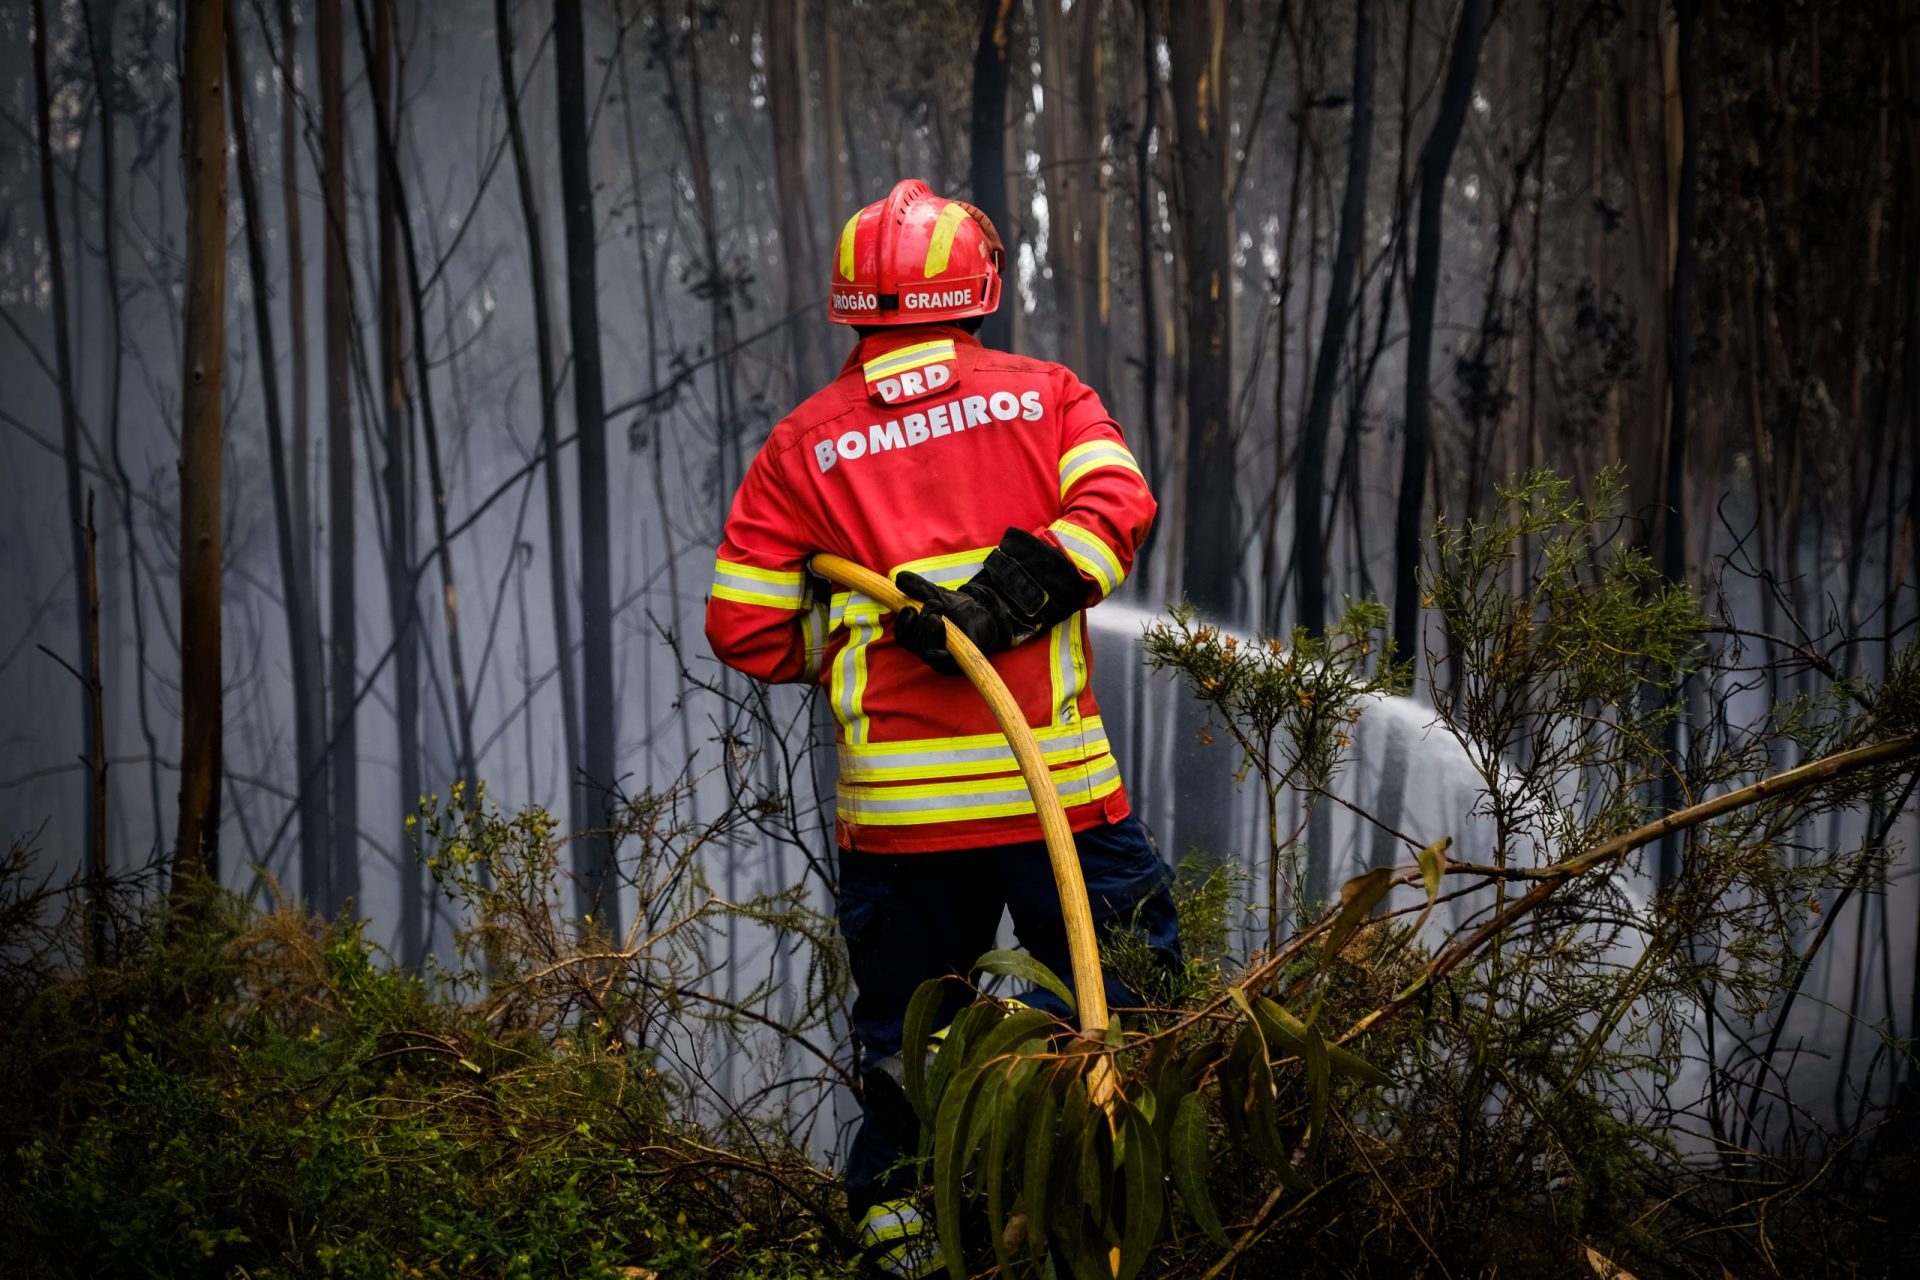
1512 1060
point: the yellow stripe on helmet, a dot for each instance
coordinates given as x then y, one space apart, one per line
846 247
941 249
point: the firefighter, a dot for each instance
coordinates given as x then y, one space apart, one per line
996 491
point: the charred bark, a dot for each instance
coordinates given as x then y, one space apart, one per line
1673 519
1210 555
399 468
1436 157
987 157
593 853
288 534
797 233
548 391
69 406
1309 534
204 153
343 872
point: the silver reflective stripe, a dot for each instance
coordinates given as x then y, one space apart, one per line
813 629
906 760
726 575
876 1228
1066 682
1093 556
962 796
1106 455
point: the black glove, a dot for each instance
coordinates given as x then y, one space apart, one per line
1027 585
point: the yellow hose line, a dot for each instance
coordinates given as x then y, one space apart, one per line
1082 947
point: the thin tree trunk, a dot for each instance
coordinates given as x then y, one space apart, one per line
288 534
668 552
1210 551
549 389
310 746
797 233
987 158
1309 550
69 407
1271 585
1209 554
1436 157
100 51
96 762
593 853
398 471
1064 171
1144 219
842 196
1094 210
343 880
204 153
1673 557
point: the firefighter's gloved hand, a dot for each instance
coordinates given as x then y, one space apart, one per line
1027 586
924 632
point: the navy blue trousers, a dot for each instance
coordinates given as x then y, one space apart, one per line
908 917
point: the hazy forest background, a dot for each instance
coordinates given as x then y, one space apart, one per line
376 375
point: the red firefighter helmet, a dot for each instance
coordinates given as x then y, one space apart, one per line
915 258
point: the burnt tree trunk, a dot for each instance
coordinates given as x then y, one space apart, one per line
100 50
987 157
549 426
1143 228
398 469
593 852
311 747
797 233
69 407
1436 157
203 145
1673 519
288 535
343 878
1309 533
1209 554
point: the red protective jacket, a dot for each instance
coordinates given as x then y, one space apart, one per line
919 456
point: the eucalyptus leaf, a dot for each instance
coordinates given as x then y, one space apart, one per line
952 1153
1018 964
915 1032
1290 1033
1189 1162
1036 1167
1319 1087
1142 1177
1358 897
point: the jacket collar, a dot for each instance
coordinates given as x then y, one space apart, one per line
894 337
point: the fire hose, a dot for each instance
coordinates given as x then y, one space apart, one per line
1082 948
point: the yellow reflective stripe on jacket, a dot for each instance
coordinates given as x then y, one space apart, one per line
864 619
1083 459
749 584
885 806
923 353
1092 556
973 755
1067 667
849 683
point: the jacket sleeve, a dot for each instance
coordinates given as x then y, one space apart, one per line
1105 508
764 616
